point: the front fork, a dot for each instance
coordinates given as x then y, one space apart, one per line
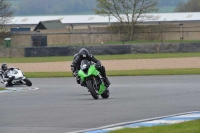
101 78
102 86
23 82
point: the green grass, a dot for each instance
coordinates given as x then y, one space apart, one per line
186 127
188 71
153 41
47 74
2 89
100 57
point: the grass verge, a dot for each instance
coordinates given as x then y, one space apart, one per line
187 71
101 57
152 42
1 89
186 127
47 74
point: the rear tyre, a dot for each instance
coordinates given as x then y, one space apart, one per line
92 89
106 94
28 82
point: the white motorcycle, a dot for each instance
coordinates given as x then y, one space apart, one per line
19 78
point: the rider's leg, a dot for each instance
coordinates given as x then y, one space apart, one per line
103 73
9 81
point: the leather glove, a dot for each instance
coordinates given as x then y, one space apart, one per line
98 64
72 68
75 74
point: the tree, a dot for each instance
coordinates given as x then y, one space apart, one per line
5 14
180 7
190 6
127 12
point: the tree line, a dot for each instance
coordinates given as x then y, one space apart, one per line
190 6
55 7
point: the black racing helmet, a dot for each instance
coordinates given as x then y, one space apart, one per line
4 67
83 53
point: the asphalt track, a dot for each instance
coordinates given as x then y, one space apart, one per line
60 105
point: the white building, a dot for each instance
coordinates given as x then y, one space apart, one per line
81 21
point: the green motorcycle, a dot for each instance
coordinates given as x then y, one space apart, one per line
93 79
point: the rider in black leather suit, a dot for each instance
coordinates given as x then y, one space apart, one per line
4 71
84 54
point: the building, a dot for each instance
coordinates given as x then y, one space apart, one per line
83 21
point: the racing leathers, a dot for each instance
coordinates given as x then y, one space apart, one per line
6 77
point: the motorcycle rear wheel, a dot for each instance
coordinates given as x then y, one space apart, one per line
92 89
28 82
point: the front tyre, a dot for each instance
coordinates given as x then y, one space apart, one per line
92 89
106 94
28 82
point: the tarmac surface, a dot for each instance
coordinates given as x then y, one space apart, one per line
60 105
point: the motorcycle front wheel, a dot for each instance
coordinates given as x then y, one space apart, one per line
91 88
28 82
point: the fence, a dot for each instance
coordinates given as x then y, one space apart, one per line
92 36
71 50
99 50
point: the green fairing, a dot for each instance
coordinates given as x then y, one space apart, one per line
92 71
102 89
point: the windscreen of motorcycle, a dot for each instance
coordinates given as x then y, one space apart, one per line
85 64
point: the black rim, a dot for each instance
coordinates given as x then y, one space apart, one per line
95 86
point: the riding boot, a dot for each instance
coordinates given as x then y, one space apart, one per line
82 83
78 79
107 81
7 84
103 73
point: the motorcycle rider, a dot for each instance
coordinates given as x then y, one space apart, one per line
4 75
84 54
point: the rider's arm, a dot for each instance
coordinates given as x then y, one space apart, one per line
92 58
4 75
75 56
1 73
76 65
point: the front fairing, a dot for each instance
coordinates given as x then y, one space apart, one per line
91 71
16 73
102 89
